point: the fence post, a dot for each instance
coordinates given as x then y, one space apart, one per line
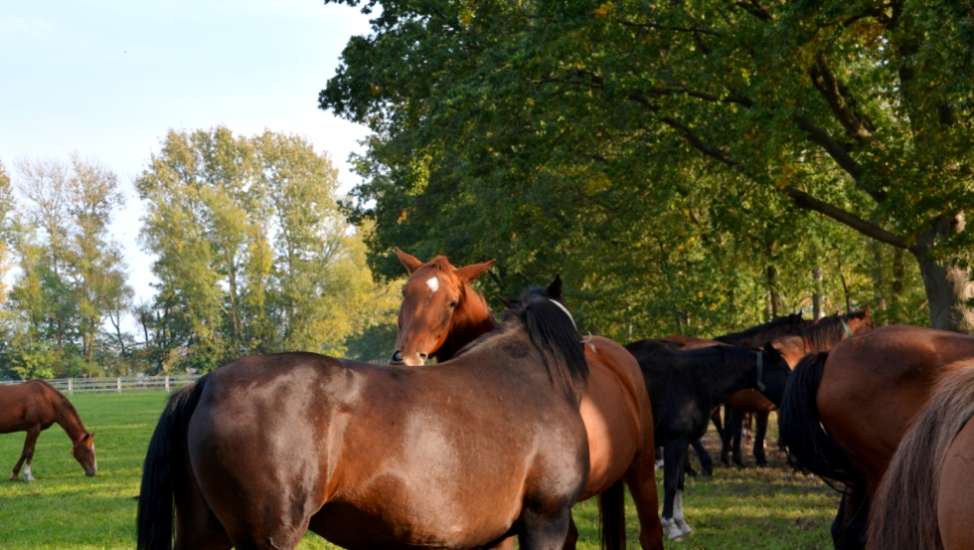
167 383
70 386
118 385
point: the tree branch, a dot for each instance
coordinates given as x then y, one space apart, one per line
836 150
808 202
837 95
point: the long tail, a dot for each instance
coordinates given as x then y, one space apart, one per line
164 461
905 511
810 448
612 517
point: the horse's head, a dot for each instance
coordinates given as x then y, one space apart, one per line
434 303
773 374
84 453
791 348
859 322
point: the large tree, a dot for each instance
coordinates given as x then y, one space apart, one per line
571 124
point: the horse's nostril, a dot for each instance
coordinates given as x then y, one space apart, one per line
423 356
397 357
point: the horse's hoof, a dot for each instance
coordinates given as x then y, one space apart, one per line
672 530
685 528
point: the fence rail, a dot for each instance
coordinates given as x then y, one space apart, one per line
118 384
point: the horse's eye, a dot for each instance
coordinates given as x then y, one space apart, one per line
453 304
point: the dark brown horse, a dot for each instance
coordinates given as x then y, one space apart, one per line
32 407
924 500
845 411
797 341
441 313
458 455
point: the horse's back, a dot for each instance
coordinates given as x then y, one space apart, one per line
874 384
25 405
616 411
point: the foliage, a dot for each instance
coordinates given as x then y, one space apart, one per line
665 155
253 254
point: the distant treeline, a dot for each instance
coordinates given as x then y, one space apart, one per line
250 252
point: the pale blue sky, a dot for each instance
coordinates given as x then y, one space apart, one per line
108 78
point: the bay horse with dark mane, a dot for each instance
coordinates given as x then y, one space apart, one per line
845 411
684 386
33 407
458 455
795 341
924 500
442 313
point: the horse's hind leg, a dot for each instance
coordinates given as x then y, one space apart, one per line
706 463
544 530
760 430
27 455
196 526
641 479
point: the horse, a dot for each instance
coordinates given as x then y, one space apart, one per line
796 341
33 406
845 411
441 313
924 498
684 386
458 455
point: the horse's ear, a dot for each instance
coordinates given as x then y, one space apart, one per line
470 272
554 289
410 262
867 313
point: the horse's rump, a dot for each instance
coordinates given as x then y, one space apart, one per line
905 511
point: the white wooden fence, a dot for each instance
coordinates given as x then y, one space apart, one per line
118 384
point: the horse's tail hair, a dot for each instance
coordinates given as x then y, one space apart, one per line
164 463
809 447
612 517
905 511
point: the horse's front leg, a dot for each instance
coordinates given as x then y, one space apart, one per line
27 455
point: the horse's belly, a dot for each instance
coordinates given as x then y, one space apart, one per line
390 523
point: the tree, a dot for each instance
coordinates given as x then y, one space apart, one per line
595 116
253 254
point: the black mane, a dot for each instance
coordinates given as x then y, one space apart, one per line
551 331
758 335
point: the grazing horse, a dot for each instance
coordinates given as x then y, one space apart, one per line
458 455
32 407
845 411
924 500
806 337
684 386
441 313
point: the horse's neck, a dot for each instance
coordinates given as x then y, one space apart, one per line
731 375
472 320
68 418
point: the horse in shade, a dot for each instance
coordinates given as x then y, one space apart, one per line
845 411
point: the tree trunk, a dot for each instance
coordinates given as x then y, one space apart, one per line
949 287
817 294
948 290
896 313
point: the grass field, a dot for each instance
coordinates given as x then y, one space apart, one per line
767 508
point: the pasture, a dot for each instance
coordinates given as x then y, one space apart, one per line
768 508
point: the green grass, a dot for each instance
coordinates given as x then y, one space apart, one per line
767 508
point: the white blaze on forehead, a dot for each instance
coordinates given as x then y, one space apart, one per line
434 283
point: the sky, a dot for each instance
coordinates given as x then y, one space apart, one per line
106 79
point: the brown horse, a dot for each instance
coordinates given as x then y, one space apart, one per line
924 500
797 340
458 455
32 407
441 313
845 411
